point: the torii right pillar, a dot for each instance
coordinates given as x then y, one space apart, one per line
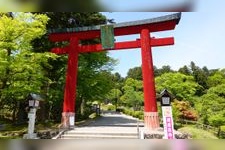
151 118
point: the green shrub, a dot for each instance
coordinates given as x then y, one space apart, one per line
136 114
177 126
128 112
222 132
111 107
222 128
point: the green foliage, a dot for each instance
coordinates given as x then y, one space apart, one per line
222 128
165 69
183 87
114 96
135 114
111 107
139 115
93 79
72 19
108 107
217 120
25 74
26 66
185 70
200 76
118 81
135 73
222 133
115 93
17 33
160 71
213 104
133 95
21 70
216 79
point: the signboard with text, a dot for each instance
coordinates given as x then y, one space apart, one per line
168 122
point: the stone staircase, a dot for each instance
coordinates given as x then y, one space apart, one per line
100 133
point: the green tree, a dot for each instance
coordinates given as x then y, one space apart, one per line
117 77
118 81
135 73
183 87
133 94
156 71
22 70
185 70
213 104
166 69
93 80
114 96
217 78
200 77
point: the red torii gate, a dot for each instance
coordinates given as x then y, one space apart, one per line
142 27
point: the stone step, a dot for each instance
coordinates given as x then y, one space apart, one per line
100 133
112 133
105 136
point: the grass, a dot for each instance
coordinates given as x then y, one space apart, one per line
12 131
197 133
17 131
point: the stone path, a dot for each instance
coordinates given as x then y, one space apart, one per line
115 119
111 125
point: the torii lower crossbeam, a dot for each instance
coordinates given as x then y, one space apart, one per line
118 46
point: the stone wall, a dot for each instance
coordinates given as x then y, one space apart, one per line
49 134
160 136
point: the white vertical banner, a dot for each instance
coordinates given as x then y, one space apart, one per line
168 122
71 120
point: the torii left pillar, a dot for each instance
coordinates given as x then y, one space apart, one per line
68 114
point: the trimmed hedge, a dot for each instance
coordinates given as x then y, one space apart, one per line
136 114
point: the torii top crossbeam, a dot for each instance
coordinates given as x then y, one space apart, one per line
146 42
134 27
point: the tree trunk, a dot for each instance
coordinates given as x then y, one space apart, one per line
116 103
42 112
219 131
82 106
21 115
14 112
